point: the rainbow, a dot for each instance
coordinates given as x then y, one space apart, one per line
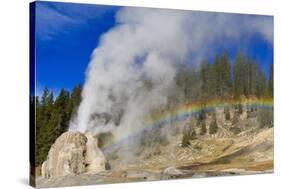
183 111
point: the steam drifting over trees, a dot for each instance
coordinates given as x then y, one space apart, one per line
217 79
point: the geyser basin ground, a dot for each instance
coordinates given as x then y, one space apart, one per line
221 154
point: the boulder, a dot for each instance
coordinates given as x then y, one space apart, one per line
73 153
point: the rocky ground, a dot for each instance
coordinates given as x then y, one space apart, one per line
224 153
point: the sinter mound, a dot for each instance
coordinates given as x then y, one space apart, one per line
74 153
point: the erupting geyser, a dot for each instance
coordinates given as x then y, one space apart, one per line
132 70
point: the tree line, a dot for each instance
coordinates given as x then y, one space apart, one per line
221 79
52 118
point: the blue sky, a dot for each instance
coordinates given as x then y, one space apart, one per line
66 35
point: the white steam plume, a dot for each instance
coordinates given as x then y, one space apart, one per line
132 71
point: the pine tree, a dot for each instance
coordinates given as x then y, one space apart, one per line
240 108
252 77
45 96
227 113
270 81
225 75
61 105
44 110
188 135
213 126
75 99
211 77
203 128
52 119
238 82
38 137
217 75
204 80
261 85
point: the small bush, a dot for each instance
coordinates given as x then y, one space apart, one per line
213 126
157 151
185 140
203 128
265 118
153 137
227 113
251 113
235 118
107 166
189 134
202 115
240 108
198 147
162 140
235 130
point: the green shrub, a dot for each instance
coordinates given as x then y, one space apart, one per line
203 128
185 140
251 113
235 118
213 126
265 117
235 130
188 134
202 115
240 108
227 113
197 147
156 151
153 137
162 140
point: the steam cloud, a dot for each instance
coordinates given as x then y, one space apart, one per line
132 70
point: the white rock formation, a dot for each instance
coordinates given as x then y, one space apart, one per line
94 158
73 153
